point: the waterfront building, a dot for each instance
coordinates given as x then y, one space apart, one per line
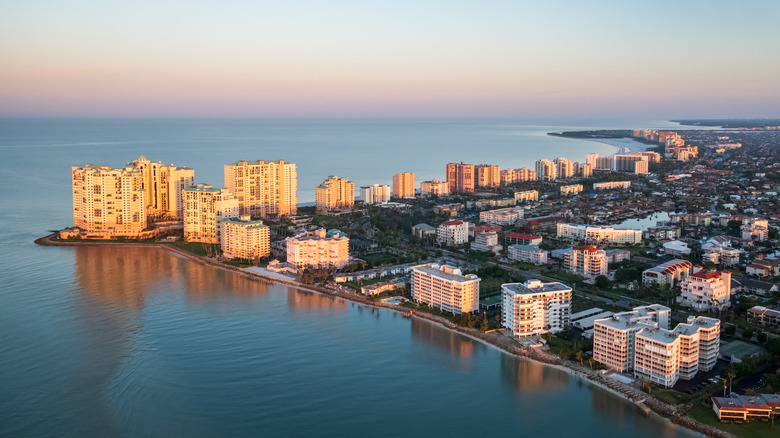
746 407
534 308
609 185
244 238
523 239
572 189
528 254
706 290
488 175
375 194
603 163
564 168
669 273
204 209
632 163
460 177
334 193
435 187
502 216
453 233
766 316
546 170
511 176
527 196
264 189
318 249
445 288
652 157
614 338
108 202
403 185
756 229
595 233
486 241
586 261
164 188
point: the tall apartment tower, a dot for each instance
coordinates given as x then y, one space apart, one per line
108 202
204 209
164 187
264 189
564 167
334 193
460 177
403 185
546 170
488 175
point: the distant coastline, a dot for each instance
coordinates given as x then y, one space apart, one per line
617 139
643 401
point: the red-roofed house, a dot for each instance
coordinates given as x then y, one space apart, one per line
523 239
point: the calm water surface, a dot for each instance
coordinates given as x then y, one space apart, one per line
137 342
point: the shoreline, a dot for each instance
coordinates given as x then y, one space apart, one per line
645 402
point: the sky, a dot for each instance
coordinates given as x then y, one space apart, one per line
390 59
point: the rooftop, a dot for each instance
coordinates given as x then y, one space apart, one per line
446 272
535 287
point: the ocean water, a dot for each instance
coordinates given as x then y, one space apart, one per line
138 342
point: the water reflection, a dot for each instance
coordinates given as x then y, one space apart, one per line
457 345
526 375
303 300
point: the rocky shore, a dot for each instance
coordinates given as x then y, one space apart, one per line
643 401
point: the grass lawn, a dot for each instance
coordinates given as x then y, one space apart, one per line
197 248
671 396
754 429
356 285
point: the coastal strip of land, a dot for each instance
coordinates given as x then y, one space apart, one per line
496 339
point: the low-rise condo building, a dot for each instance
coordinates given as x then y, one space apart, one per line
334 193
571 189
535 308
434 187
318 249
587 261
453 233
204 209
706 290
610 185
244 238
502 216
486 241
669 273
602 234
527 196
765 316
511 176
528 254
756 229
445 288
108 202
614 338
747 407
523 239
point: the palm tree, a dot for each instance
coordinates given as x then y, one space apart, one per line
731 375
580 356
591 361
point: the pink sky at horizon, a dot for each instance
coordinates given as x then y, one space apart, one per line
474 62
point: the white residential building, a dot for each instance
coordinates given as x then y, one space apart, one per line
486 241
756 229
164 186
375 194
528 253
453 233
204 209
244 238
571 189
502 216
587 261
706 290
671 273
527 196
108 202
534 308
546 170
614 338
445 288
318 249
593 233
435 187
611 185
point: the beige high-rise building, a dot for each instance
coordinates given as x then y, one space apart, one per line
564 167
403 185
527 196
546 170
511 176
334 193
264 189
435 187
204 209
244 238
587 261
586 170
108 202
460 177
318 249
375 194
445 288
488 175
164 187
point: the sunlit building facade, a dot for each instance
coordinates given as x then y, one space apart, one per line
264 189
108 202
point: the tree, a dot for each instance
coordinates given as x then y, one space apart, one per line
484 326
709 265
729 330
761 336
773 346
580 356
734 226
747 332
603 283
591 361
